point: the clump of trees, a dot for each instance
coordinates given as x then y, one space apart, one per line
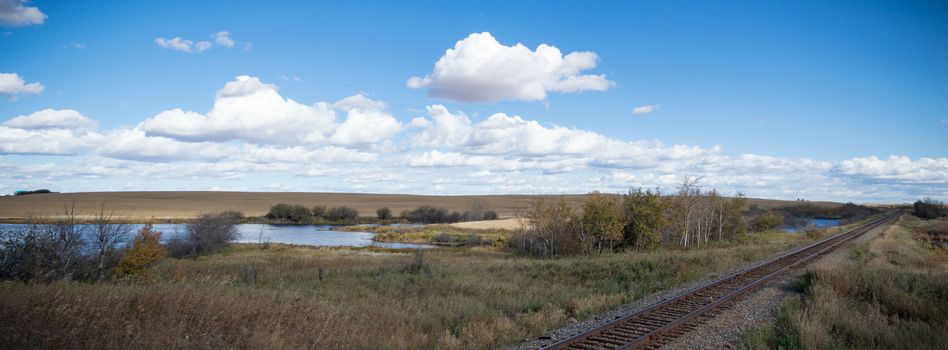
383 213
319 212
299 214
769 220
342 215
550 229
929 208
63 248
477 211
40 191
427 214
799 215
600 225
290 213
644 214
206 234
641 219
696 217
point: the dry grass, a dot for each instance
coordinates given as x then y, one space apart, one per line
139 206
502 224
889 293
467 298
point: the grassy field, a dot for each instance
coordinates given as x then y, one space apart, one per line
144 206
305 297
888 293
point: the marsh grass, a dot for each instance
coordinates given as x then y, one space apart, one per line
304 297
889 293
441 234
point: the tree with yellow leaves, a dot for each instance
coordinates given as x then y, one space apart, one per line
144 252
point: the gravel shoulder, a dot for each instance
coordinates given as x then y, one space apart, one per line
721 332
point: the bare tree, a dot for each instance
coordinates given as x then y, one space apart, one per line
106 235
210 232
476 210
67 238
686 206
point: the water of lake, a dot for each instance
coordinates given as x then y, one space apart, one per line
816 223
314 235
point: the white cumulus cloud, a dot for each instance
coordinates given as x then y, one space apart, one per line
15 13
50 132
247 109
897 168
53 119
363 127
645 109
480 69
12 85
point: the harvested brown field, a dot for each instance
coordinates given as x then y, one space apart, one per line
502 224
183 204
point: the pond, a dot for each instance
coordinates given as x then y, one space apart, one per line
313 235
814 223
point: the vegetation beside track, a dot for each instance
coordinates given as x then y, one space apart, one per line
887 293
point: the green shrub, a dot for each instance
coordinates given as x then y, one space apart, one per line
766 221
293 213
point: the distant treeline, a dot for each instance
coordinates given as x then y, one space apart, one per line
300 214
645 219
40 191
642 219
800 215
929 208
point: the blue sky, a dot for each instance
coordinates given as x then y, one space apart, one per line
839 101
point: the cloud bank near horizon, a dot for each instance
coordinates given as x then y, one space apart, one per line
255 139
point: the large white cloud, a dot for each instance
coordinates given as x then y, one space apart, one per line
247 109
46 141
15 13
53 119
134 144
250 110
49 132
12 85
897 168
480 69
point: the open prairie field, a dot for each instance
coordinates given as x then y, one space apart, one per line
183 205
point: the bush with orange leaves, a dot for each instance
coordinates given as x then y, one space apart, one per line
144 252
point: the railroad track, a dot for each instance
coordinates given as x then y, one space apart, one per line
664 321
